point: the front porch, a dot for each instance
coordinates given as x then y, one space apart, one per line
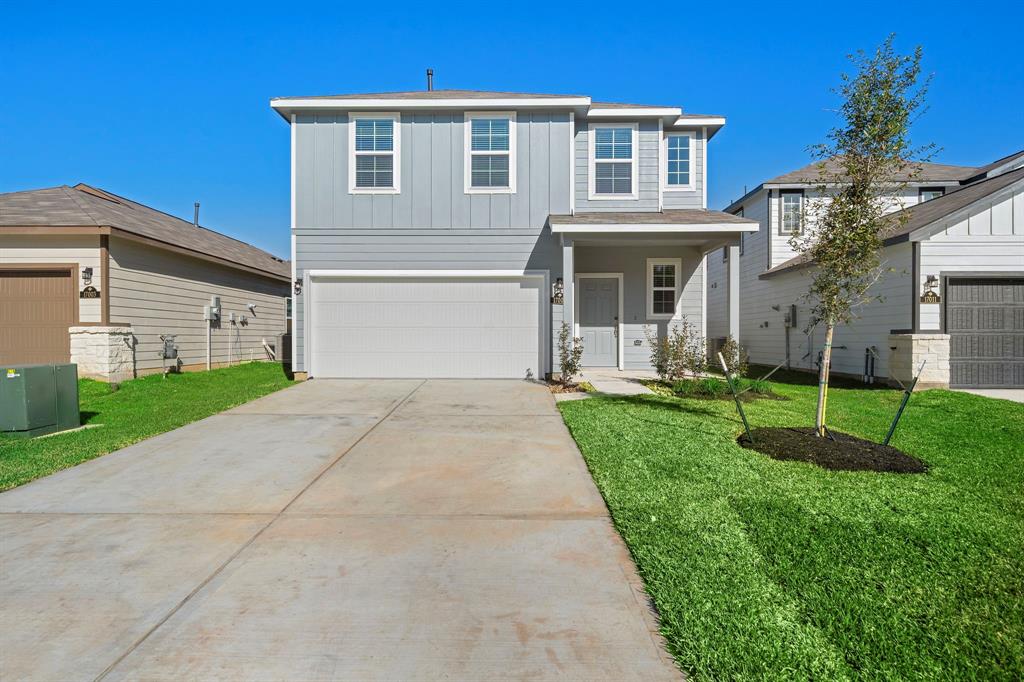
629 275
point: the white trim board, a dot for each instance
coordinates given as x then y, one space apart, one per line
656 227
633 112
620 327
367 104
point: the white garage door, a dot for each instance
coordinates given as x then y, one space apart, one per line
430 327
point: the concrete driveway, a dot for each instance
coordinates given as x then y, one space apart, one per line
333 530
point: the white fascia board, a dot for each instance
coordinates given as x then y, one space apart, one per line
405 274
698 122
460 103
633 112
655 227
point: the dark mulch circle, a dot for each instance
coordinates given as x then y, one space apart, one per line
844 453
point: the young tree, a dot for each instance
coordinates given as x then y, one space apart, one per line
864 166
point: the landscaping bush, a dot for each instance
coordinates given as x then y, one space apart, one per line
679 353
713 387
735 357
570 353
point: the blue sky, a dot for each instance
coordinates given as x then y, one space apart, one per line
168 103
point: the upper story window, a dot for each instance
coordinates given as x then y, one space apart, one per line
662 287
792 211
613 161
677 151
928 193
373 161
490 163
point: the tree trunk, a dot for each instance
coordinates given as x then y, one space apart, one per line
823 372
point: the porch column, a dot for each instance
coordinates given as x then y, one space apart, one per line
734 292
568 290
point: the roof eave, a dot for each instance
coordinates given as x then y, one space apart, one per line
286 106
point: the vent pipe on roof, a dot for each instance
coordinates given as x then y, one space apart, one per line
195 216
430 80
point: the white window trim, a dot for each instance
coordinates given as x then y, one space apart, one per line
651 262
396 152
663 171
783 232
467 163
592 177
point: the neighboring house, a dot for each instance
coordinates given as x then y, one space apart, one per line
451 233
953 293
94 278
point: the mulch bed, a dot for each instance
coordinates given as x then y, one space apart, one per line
844 453
571 388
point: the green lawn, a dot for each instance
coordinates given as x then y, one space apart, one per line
766 569
139 409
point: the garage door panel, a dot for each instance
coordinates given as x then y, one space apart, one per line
426 314
427 339
985 321
427 327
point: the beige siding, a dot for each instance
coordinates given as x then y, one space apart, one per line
160 292
81 249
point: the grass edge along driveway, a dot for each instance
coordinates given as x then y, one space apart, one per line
763 569
138 409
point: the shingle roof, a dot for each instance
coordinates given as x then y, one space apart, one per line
87 206
1009 160
436 94
919 172
901 224
680 216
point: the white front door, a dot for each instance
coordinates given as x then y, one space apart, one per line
427 327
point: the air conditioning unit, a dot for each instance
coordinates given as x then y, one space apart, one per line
38 399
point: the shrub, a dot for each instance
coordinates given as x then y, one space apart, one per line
735 357
570 353
679 353
713 387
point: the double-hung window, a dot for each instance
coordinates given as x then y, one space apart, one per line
928 193
677 151
374 158
792 211
662 287
613 161
490 163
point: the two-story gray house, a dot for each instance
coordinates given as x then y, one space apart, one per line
450 233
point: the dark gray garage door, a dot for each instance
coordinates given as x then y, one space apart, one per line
985 321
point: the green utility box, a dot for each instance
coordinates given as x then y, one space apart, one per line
38 399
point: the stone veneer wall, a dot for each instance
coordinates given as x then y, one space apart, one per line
104 353
908 351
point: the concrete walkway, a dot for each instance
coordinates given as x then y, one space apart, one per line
613 381
1014 394
334 530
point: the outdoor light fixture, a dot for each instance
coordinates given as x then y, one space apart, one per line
558 291
931 280
87 275
298 287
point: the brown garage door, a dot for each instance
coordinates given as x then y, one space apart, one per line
985 322
36 309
